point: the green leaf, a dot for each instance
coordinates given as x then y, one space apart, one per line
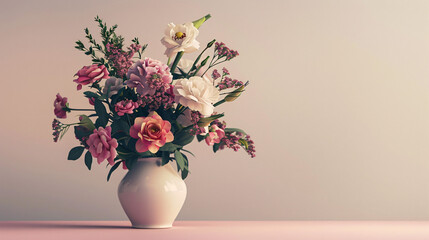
188 152
165 158
103 117
179 159
88 160
112 169
185 171
81 132
120 136
91 94
75 153
120 126
216 147
186 162
169 147
183 138
87 123
130 162
184 174
201 137
235 130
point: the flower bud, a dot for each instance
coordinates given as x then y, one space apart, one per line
199 22
204 122
86 122
204 61
234 94
210 44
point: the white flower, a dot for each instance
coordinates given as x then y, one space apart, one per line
114 84
196 93
180 38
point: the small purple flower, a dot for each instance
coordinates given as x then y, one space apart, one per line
223 51
215 74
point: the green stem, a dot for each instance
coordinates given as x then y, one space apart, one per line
219 103
195 62
176 61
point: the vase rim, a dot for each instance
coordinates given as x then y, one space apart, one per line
149 159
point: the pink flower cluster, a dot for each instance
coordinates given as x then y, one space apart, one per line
195 118
215 74
148 76
232 139
56 127
90 74
126 106
102 146
60 106
223 51
227 82
161 98
119 59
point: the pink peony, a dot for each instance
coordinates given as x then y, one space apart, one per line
90 74
149 75
215 135
102 146
152 133
60 105
125 106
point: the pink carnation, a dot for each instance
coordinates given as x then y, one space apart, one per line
90 74
60 105
125 106
151 133
102 146
149 75
215 135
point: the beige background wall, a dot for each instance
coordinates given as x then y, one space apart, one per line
338 106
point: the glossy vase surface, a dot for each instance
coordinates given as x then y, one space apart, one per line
152 195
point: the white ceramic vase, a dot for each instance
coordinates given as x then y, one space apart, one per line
152 195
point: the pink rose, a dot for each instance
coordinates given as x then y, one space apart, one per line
102 146
90 74
125 106
152 133
60 105
215 135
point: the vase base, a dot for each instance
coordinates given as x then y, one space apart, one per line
151 226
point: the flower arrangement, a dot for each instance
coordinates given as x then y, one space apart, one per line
142 107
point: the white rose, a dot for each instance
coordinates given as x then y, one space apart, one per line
196 93
180 38
114 84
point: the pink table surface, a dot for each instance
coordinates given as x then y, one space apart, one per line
208 230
